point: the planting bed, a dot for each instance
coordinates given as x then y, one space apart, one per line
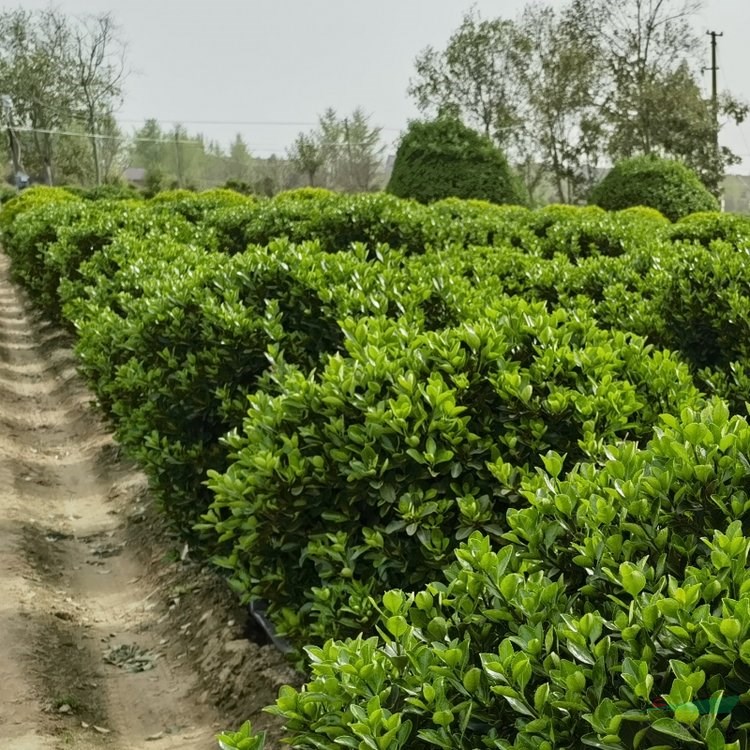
486 469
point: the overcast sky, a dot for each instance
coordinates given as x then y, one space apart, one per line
285 61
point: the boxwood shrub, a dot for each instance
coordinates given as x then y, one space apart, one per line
368 474
443 158
27 240
664 184
27 199
173 361
706 227
615 613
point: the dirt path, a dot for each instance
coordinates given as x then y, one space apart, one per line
76 613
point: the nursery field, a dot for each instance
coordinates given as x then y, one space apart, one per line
485 469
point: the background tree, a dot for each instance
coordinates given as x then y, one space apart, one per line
73 156
64 76
561 73
306 155
113 148
240 167
645 41
655 104
35 73
273 175
99 64
176 157
186 157
444 158
341 153
477 74
362 153
330 138
565 89
149 146
528 84
215 165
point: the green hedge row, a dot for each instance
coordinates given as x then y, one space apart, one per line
112 266
614 613
368 474
353 395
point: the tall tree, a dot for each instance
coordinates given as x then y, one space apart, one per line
73 156
113 148
186 157
341 153
331 141
561 88
306 155
656 105
363 152
64 76
240 167
476 73
149 147
35 73
219 166
646 41
562 72
99 65
273 175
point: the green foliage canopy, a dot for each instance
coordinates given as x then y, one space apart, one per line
663 184
446 159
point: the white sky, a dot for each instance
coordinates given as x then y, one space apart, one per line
285 61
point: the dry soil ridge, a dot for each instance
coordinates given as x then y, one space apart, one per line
78 580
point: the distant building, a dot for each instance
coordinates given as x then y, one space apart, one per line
736 193
135 176
389 162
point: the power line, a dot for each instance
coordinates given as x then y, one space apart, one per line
229 122
76 134
273 123
165 139
161 120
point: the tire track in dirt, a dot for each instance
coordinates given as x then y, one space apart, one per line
73 594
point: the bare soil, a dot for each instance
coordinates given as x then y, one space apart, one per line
108 636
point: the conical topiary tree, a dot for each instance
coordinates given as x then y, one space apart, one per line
443 158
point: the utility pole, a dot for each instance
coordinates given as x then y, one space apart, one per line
715 101
349 152
95 150
714 85
15 147
179 156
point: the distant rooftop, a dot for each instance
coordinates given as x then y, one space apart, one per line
134 174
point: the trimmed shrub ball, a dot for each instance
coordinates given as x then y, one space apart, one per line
445 159
666 185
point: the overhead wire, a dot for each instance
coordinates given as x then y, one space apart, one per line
104 136
167 140
254 123
178 121
265 148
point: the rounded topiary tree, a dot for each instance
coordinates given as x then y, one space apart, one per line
666 185
445 159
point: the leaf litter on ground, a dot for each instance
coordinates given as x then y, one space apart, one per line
130 657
